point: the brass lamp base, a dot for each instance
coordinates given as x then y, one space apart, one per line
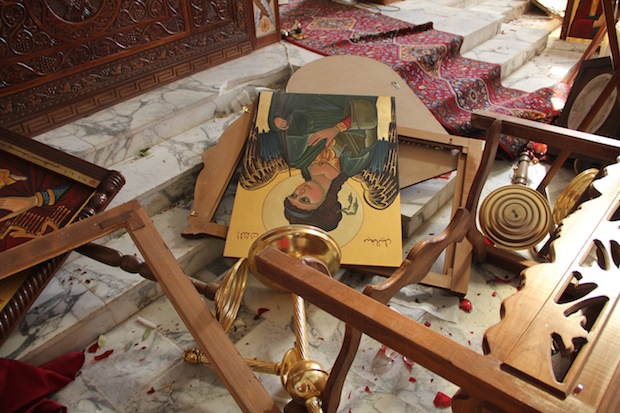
515 217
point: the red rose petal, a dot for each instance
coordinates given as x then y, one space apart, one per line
260 312
442 401
93 348
367 389
465 305
104 355
578 389
151 391
408 363
411 379
427 323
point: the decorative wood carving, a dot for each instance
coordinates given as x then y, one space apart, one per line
61 59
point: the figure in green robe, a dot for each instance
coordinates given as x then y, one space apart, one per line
330 139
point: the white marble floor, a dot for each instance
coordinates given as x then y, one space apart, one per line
144 371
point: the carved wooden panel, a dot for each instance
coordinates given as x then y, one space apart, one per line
554 325
63 59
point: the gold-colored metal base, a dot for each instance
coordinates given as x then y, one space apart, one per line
571 194
299 241
515 217
304 379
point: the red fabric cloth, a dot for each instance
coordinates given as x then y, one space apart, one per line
24 388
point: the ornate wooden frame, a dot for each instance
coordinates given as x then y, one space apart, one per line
267 26
38 170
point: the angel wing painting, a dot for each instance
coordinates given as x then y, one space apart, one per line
329 161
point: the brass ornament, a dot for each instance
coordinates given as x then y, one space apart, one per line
306 381
230 293
303 378
515 217
572 193
311 244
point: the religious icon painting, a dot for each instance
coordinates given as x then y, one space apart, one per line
266 22
42 190
329 161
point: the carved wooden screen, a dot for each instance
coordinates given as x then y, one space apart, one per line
63 59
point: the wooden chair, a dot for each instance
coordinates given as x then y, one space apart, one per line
554 349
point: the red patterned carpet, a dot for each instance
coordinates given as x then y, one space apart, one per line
451 86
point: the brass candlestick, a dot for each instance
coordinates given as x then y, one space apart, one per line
303 378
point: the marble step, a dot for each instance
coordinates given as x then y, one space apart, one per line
475 27
548 67
476 21
129 129
512 47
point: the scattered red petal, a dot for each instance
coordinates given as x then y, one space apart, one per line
151 391
494 294
408 363
104 355
442 401
260 312
411 379
93 348
465 305
367 389
427 323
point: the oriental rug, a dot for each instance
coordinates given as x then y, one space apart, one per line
450 85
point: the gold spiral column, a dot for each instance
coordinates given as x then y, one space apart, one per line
303 378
